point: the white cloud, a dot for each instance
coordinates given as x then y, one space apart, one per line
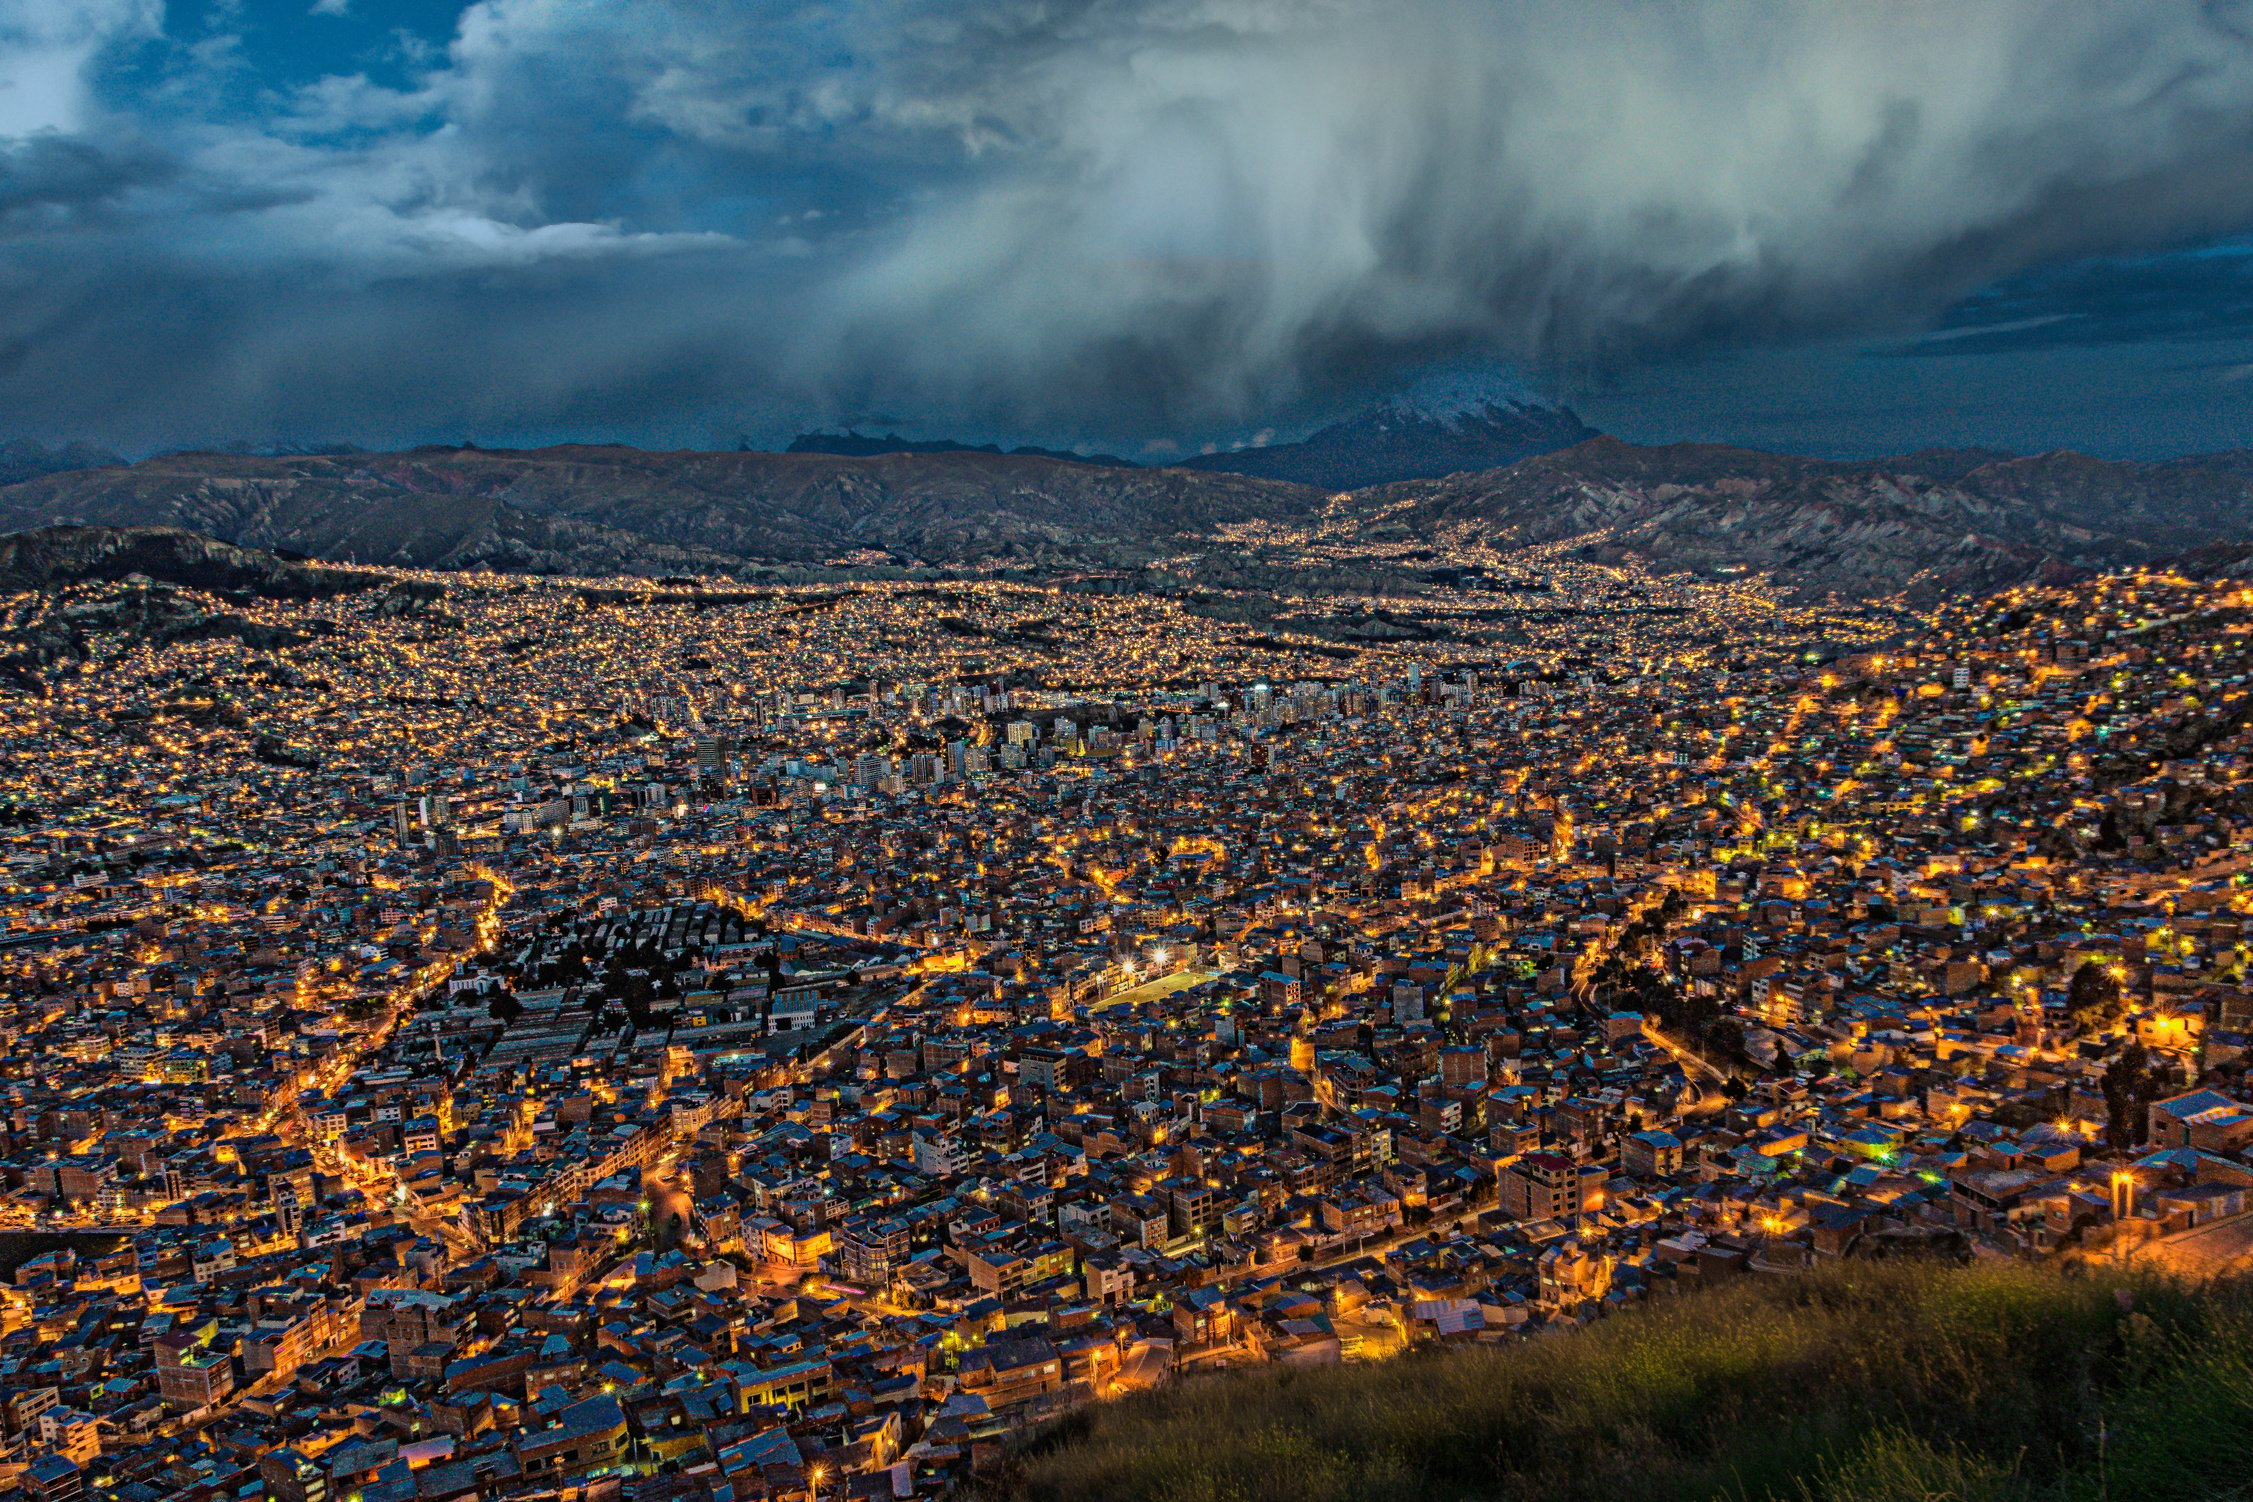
45 47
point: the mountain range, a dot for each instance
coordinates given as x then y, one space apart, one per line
855 445
1920 524
1404 440
1400 439
28 458
608 510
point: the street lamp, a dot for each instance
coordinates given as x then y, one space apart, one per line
2123 1206
2123 1194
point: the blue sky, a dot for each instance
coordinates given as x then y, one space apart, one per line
1838 226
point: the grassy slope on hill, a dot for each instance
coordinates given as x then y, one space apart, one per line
1867 1382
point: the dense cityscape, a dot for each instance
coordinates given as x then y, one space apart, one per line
1126 751
488 1037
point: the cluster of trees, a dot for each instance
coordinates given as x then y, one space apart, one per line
2093 998
2131 1082
1628 981
634 977
2133 1079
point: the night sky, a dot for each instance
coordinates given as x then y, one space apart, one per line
1845 228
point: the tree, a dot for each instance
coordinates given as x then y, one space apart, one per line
1726 1037
637 993
2127 1082
2093 997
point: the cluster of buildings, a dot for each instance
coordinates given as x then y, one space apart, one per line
524 1040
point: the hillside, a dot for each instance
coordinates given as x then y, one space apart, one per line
1864 1382
152 584
1928 524
601 510
1924 524
50 557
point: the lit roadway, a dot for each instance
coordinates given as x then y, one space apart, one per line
1713 1099
381 1184
288 1122
2203 1252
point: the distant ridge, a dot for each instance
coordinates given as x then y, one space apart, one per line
600 510
1404 440
1925 525
28 459
853 445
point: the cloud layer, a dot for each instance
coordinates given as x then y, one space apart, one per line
669 219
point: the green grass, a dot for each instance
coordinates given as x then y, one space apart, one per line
1865 1382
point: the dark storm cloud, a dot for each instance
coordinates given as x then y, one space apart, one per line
55 179
674 218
